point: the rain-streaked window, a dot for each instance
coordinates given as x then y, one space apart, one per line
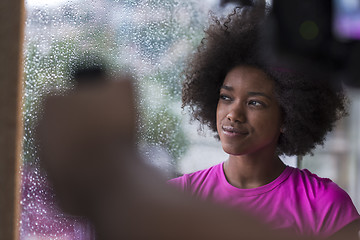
152 39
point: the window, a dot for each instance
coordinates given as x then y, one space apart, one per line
152 39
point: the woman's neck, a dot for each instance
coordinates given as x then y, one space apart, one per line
249 171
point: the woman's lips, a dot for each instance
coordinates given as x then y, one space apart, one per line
232 131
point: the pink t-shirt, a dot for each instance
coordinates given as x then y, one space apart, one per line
297 200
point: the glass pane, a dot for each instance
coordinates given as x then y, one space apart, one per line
152 39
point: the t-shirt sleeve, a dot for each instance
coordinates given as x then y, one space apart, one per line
338 210
180 182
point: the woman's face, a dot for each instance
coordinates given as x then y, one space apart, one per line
248 117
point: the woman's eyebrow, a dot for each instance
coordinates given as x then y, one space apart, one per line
259 94
227 87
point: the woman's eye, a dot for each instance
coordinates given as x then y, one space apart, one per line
224 97
255 103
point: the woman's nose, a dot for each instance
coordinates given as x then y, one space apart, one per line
236 114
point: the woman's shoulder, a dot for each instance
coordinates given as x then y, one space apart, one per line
330 205
312 180
197 178
323 191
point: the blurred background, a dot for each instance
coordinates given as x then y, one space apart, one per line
152 39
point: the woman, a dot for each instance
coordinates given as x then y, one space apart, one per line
260 111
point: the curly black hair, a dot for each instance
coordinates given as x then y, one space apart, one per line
309 104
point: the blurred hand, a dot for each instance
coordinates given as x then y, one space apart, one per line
82 136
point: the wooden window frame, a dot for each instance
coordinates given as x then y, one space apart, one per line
11 128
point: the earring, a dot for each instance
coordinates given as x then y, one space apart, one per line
282 129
